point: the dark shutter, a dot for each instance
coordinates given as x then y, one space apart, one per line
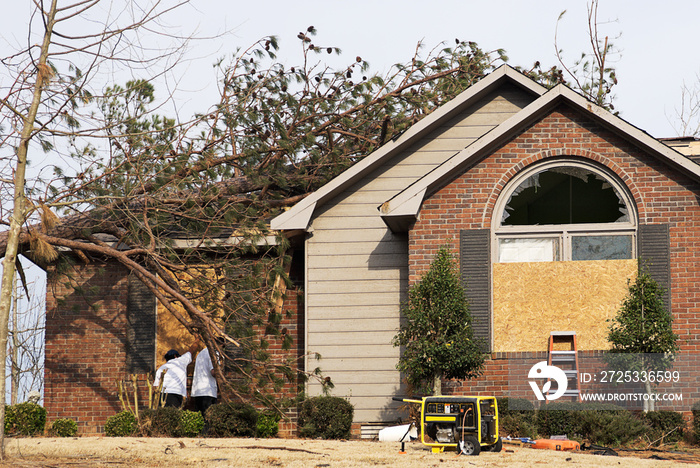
141 328
475 248
654 248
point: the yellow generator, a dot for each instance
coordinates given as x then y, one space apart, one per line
468 424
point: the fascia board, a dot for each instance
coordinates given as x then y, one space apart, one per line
299 216
628 131
294 218
410 206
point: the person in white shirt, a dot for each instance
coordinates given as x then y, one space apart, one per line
204 388
174 389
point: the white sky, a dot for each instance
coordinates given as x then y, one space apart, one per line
659 40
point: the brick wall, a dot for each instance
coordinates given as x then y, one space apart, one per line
660 193
85 344
292 324
505 375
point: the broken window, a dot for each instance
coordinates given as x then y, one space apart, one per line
565 210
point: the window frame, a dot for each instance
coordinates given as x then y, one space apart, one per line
563 232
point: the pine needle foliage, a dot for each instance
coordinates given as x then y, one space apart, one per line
643 325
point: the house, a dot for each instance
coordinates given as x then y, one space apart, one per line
104 326
551 204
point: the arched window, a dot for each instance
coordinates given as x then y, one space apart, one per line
564 210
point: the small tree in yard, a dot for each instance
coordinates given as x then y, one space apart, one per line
437 335
641 334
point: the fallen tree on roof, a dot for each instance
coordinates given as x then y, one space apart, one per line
140 183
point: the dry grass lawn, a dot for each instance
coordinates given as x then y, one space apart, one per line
248 453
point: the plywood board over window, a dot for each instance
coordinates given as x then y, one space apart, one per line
532 299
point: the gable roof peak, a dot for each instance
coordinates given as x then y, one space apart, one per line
300 215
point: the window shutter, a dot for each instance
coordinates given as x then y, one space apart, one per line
654 248
475 251
141 328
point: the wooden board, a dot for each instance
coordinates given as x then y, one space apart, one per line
530 300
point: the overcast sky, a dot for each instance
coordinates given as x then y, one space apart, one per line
658 41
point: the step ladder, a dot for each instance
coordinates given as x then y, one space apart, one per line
563 354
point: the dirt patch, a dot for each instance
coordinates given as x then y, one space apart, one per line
160 452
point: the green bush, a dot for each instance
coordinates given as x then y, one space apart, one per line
516 425
9 419
508 406
232 420
668 425
559 418
29 419
160 422
268 424
121 425
191 423
326 417
571 418
610 428
64 427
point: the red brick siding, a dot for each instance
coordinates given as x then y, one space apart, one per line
292 324
85 345
505 374
661 195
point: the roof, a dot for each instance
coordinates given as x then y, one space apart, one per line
689 146
403 208
299 216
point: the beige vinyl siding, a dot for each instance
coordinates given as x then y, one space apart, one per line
357 268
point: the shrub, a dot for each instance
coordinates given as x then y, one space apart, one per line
516 425
569 418
9 419
516 417
559 418
268 424
515 405
121 424
30 419
610 428
665 425
191 423
163 421
232 420
64 427
326 417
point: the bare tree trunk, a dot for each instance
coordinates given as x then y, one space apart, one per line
14 354
437 385
19 210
